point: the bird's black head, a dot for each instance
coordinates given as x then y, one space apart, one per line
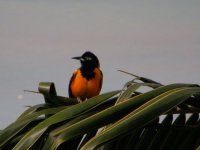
88 60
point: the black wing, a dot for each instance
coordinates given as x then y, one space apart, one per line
101 82
71 81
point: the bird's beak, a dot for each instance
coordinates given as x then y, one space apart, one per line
78 58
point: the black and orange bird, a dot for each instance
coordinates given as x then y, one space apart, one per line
86 81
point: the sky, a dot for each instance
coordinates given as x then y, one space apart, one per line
155 39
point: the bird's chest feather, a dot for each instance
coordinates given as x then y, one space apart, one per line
84 87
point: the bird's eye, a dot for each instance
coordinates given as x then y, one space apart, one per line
88 58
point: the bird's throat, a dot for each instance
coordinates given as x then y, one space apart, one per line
88 73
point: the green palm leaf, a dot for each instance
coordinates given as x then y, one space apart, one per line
31 137
147 112
127 119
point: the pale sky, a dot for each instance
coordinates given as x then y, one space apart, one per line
155 39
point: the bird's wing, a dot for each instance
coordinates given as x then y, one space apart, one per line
70 83
101 82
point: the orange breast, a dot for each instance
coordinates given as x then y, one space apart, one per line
83 88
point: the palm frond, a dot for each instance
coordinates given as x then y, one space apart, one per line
123 119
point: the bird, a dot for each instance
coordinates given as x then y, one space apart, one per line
86 81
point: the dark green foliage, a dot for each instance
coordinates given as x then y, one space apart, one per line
127 119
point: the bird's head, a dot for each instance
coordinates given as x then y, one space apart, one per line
88 60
